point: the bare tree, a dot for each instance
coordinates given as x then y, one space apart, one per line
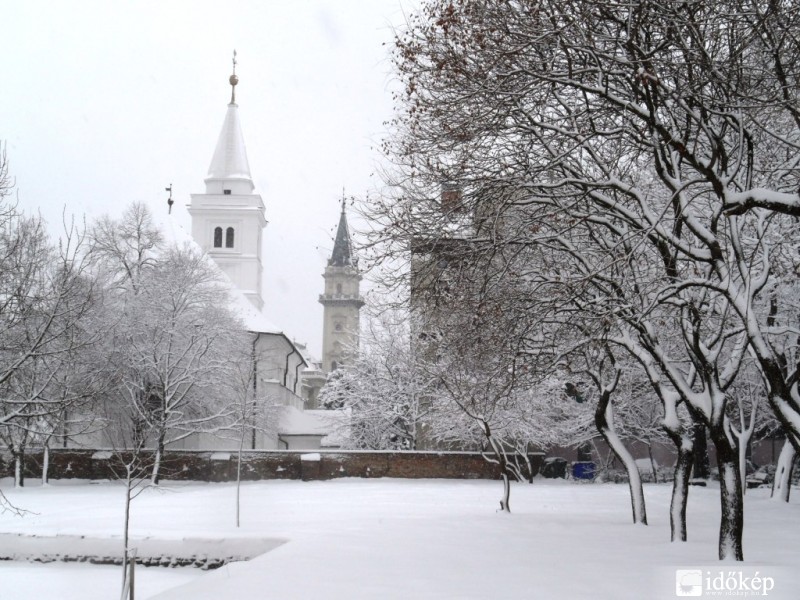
126 248
254 411
129 460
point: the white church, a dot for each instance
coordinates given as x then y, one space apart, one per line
227 223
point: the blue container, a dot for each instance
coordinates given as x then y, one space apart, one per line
583 470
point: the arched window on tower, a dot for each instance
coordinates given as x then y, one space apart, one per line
338 288
229 237
217 237
334 366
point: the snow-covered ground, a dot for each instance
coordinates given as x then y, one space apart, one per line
70 581
385 538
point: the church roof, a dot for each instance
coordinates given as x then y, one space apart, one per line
253 319
342 255
230 155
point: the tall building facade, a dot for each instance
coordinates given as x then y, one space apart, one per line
342 301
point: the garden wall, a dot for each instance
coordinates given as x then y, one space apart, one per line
269 464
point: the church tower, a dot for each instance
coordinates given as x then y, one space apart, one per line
342 301
228 220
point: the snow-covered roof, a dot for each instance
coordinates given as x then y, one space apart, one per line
333 424
253 319
313 363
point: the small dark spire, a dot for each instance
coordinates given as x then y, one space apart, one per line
170 201
342 255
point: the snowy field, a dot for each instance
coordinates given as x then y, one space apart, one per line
387 538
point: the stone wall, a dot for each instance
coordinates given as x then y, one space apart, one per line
269 464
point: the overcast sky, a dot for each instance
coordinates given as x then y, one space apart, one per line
106 103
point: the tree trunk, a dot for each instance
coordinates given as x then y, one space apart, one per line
743 443
743 436
46 463
680 485
19 466
64 430
528 466
604 420
154 478
132 575
19 478
782 484
239 472
652 461
125 529
159 455
505 505
701 467
730 487
502 461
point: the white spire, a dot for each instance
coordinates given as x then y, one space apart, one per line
228 219
229 168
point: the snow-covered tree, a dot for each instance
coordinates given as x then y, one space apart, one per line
601 366
174 343
385 390
650 150
749 416
480 358
46 303
125 248
173 333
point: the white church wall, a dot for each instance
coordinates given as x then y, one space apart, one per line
279 361
280 396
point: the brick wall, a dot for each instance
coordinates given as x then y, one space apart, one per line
269 464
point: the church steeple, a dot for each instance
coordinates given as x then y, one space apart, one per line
229 168
342 255
227 221
342 301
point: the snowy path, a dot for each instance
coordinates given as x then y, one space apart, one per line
386 538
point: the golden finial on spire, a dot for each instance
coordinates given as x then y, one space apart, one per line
344 199
233 79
